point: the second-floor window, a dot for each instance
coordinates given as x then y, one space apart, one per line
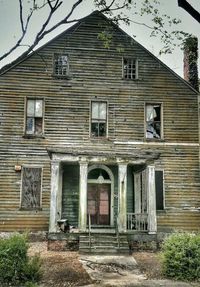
98 119
61 65
153 121
34 117
130 69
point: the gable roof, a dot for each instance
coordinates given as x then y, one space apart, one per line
22 58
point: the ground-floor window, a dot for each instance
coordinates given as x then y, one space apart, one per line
159 189
31 188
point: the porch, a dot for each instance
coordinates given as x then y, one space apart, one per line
105 194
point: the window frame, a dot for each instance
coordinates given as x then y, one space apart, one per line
21 189
90 120
161 121
163 182
136 68
33 135
55 57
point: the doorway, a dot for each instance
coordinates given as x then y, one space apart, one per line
100 196
98 203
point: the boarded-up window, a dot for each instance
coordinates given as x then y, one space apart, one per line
61 65
31 188
159 190
34 117
130 69
99 119
153 121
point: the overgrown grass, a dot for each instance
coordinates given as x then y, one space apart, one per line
181 257
15 265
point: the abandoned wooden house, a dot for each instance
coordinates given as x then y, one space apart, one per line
97 140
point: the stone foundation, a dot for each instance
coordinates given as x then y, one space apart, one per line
63 242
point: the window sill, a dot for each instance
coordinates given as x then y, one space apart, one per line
154 140
105 139
33 136
30 209
161 211
131 80
62 77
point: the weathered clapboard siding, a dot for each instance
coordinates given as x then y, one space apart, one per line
96 75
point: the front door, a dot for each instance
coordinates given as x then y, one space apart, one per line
98 203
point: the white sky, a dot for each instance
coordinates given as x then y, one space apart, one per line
10 28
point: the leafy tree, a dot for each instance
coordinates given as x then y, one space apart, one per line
163 25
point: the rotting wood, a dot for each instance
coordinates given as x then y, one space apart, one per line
96 74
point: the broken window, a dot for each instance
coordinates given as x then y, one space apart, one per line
61 65
34 117
159 190
153 121
130 69
31 188
99 119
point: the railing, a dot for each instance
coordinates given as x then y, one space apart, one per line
137 221
117 232
89 227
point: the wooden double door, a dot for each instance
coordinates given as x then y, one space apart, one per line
98 203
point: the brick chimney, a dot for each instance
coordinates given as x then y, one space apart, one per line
190 61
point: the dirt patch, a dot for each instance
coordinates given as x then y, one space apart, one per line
149 264
59 269
63 269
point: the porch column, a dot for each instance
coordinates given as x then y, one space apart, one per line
151 199
137 192
122 185
56 195
83 196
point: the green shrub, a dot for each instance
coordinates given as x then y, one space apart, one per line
15 266
32 269
181 257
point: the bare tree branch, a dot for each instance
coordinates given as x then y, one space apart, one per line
104 6
63 21
21 16
188 8
24 30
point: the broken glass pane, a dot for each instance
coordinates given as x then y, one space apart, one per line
61 65
153 132
102 129
30 108
63 60
150 113
125 69
30 125
38 108
153 121
94 129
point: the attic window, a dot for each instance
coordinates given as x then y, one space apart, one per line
153 121
130 69
61 65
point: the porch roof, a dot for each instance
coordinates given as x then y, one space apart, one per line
136 156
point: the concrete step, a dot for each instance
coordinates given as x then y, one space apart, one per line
103 243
